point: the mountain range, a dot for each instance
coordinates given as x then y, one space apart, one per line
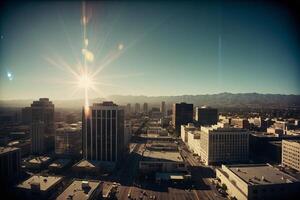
254 100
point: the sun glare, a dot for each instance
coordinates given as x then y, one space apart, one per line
85 81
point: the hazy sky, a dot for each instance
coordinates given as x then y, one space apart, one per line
168 48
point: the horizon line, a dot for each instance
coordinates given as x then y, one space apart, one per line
151 96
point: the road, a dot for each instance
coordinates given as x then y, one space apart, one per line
201 175
203 190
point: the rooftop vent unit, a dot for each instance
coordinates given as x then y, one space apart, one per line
35 186
85 184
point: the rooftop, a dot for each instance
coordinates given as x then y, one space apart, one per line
293 141
4 150
87 164
261 174
39 159
60 163
163 156
79 190
44 182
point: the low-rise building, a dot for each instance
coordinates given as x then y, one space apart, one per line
157 131
38 162
81 190
68 142
161 158
39 187
59 165
240 123
194 141
291 154
262 181
84 167
185 129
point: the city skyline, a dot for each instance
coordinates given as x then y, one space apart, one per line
150 100
209 47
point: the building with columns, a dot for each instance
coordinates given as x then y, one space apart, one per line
103 132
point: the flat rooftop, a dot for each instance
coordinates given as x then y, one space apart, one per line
45 182
4 150
60 163
39 159
261 174
162 156
87 164
293 141
76 192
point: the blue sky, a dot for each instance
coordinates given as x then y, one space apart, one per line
169 48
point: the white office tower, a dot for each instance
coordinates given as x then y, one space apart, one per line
37 137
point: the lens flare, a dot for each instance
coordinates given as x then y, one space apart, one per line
9 76
84 82
120 47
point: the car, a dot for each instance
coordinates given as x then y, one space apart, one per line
129 195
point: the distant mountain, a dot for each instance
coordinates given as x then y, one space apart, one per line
216 100
219 100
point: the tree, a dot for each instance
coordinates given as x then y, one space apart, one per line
224 187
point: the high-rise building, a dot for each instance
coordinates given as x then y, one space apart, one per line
43 110
128 109
291 154
182 115
224 145
163 108
10 164
145 108
137 108
206 116
26 115
42 127
103 132
37 137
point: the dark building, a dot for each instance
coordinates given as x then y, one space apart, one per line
26 115
10 163
206 116
182 115
103 132
267 148
42 112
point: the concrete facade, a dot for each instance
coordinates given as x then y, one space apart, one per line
291 154
262 181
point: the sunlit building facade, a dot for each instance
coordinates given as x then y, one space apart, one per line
291 154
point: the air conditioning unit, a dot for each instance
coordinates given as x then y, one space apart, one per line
85 184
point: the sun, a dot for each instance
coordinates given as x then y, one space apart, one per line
85 81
